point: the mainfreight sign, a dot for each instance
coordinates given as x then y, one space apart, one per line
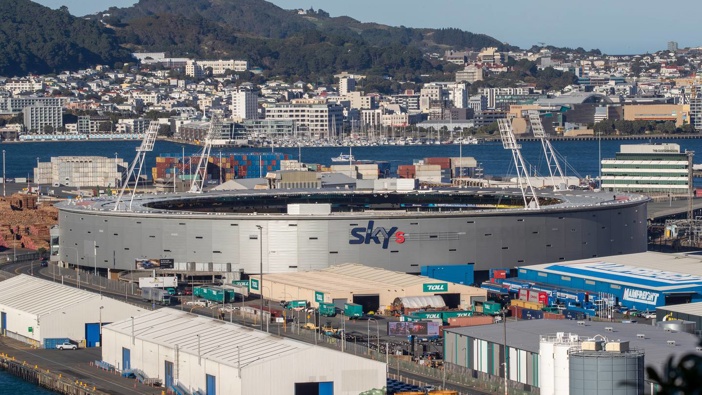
435 287
640 296
376 235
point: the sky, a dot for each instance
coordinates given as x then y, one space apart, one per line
613 26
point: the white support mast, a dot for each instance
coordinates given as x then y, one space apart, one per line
554 168
198 182
510 142
147 145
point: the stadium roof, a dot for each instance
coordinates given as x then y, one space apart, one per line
570 99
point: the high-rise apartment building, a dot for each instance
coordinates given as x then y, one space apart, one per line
244 104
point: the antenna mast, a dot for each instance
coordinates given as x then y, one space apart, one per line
198 182
147 145
510 142
554 168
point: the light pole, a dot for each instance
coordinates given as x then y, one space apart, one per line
95 254
260 262
504 326
377 333
4 178
100 311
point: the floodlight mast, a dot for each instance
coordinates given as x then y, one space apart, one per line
554 168
147 145
198 182
510 142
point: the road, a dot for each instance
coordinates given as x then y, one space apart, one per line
372 326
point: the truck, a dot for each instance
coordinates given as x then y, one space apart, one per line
215 294
296 304
353 310
156 295
487 307
327 309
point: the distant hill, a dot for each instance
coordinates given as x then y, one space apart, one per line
37 39
259 18
284 42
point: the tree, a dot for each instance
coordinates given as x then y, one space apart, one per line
681 377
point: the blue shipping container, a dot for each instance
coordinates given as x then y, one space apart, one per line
460 274
52 343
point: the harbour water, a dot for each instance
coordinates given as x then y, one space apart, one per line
581 157
10 384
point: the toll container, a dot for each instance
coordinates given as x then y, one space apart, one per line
470 321
327 309
353 310
296 304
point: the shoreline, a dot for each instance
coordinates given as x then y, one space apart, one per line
491 138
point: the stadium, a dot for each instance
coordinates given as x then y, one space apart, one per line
296 230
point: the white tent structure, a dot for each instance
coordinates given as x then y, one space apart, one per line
215 357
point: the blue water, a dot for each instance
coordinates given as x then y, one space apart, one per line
581 156
10 384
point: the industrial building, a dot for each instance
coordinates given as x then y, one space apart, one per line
648 168
643 281
395 230
80 171
40 312
214 357
554 355
690 312
373 288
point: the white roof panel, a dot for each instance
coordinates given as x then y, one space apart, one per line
218 340
40 297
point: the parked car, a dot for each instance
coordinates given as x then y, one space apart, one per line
44 262
648 314
66 346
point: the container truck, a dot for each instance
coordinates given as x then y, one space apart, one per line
156 295
296 304
353 310
215 294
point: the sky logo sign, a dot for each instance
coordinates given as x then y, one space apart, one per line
371 234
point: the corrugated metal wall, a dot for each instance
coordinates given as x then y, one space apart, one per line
490 241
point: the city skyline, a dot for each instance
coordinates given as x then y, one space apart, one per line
624 27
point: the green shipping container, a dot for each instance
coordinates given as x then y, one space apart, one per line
327 309
353 310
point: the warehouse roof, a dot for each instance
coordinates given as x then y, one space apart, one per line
350 276
655 270
685 308
40 297
526 335
217 340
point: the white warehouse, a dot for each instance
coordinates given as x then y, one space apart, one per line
202 354
42 313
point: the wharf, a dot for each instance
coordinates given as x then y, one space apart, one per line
66 372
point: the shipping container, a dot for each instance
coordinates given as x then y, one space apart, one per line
470 321
327 309
530 314
527 304
50 344
296 304
353 310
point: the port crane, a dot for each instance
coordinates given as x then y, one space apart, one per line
510 142
554 168
147 145
198 182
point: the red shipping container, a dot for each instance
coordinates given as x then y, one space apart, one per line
499 274
524 294
543 298
553 316
471 321
444 163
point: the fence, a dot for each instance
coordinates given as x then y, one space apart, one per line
83 278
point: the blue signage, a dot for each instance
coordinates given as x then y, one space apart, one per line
376 235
